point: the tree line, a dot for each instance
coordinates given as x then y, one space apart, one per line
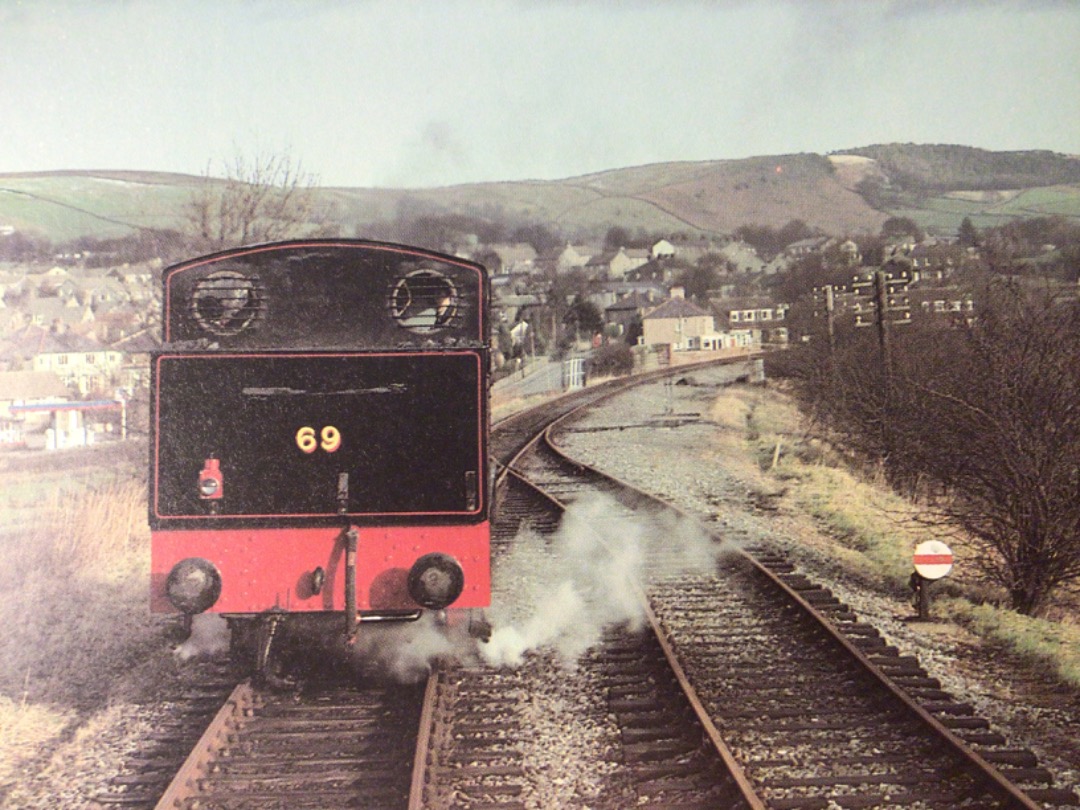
978 420
947 167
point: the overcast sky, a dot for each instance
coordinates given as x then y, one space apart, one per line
438 92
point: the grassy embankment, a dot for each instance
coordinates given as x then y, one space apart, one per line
872 532
73 569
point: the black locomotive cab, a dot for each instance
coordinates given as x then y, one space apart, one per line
320 380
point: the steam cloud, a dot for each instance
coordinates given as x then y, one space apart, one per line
587 578
406 652
209 638
560 592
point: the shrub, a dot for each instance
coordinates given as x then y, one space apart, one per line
613 360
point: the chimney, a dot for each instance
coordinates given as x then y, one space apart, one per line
678 292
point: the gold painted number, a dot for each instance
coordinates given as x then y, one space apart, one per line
329 439
305 439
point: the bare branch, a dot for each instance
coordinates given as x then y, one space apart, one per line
260 199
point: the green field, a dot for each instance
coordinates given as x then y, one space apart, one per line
63 207
943 215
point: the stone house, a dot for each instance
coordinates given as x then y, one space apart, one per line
574 256
518 258
679 323
134 276
805 247
82 364
59 315
616 264
662 249
760 315
135 351
620 315
743 257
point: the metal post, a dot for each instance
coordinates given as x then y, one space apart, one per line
351 537
830 318
881 299
920 586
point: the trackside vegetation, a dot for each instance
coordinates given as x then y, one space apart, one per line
976 420
872 530
73 607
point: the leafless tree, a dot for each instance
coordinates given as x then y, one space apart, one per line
991 414
263 198
983 421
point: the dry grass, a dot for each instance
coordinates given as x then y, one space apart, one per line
1057 643
100 534
73 605
874 531
25 729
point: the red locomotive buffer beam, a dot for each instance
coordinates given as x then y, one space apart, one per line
268 569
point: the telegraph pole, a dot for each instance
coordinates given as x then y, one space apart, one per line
889 298
829 295
830 318
881 305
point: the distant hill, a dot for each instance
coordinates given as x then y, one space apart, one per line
847 192
944 168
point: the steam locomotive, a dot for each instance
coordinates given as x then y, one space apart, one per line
319 438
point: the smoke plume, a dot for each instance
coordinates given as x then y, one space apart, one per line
564 592
209 638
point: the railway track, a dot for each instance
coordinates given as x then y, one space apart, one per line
331 744
821 712
198 697
234 758
783 712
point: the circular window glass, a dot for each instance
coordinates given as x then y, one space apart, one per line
424 301
227 302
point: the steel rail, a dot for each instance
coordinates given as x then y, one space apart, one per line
203 753
423 742
1003 785
746 789
999 783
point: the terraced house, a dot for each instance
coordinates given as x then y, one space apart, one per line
82 364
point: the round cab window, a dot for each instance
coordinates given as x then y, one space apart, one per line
424 301
227 302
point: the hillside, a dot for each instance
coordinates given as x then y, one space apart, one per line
945 168
768 191
847 192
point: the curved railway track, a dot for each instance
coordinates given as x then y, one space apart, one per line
738 697
649 747
821 712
